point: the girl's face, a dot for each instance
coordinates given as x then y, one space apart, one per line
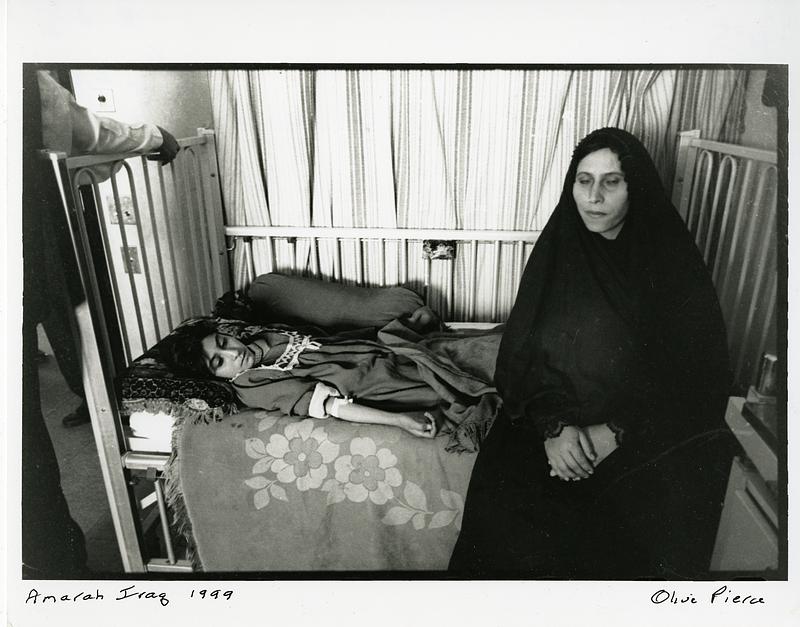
601 193
225 356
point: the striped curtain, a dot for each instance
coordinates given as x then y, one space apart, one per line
484 149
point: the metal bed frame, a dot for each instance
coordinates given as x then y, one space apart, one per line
179 217
727 195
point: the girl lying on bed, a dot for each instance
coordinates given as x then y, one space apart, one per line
398 377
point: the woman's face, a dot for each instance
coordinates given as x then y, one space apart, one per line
601 193
225 356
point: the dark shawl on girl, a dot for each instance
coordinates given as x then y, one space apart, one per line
626 332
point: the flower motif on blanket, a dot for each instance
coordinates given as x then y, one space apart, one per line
366 472
300 456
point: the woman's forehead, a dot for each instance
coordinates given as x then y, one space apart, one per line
600 161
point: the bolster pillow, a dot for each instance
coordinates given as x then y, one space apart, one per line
281 298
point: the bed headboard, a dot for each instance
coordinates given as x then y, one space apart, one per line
152 235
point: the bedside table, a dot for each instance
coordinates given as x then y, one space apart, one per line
747 539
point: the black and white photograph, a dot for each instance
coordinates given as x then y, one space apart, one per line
407 329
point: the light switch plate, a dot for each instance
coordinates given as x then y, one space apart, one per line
104 100
132 259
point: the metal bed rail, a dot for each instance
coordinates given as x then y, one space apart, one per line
727 195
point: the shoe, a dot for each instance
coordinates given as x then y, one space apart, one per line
79 417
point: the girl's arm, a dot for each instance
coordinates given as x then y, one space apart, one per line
297 396
422 426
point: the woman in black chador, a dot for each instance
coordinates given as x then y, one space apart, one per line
611 455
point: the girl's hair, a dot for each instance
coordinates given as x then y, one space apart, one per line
182 350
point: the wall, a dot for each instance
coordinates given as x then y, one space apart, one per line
760 122
752 327
179 101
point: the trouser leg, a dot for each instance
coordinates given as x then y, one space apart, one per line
61 335
63 292
52 542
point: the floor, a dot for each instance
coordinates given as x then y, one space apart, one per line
81 478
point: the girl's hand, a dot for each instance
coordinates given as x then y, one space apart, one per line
423 318
421 426
570 454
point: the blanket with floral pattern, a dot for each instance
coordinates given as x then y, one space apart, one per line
266 492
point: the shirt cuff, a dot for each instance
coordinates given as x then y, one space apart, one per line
316 407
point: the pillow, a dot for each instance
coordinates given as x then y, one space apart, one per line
278 297
149 385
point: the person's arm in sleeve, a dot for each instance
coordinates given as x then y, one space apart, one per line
552 411
72 128
290 395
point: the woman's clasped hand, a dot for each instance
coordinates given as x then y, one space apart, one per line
570 454
575 452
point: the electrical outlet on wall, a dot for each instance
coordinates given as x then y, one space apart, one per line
125 207
103 100
131 256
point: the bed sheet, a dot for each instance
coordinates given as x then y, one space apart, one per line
151 432
263 492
